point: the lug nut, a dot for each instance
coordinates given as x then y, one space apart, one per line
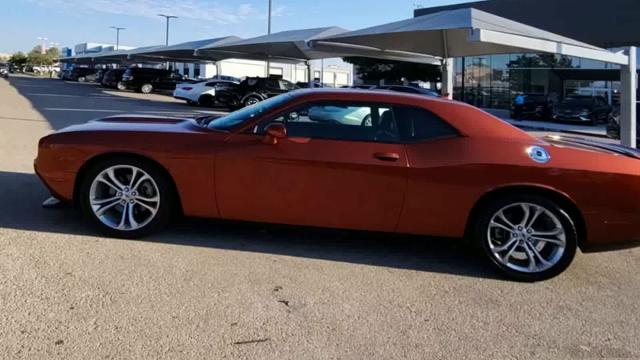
119 194
132 201
134 193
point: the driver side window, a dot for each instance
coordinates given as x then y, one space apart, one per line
339 121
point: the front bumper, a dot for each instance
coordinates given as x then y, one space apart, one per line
572 117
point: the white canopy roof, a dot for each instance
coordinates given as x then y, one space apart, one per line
462 32
293 46
183 52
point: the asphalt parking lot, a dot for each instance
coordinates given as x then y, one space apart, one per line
219 290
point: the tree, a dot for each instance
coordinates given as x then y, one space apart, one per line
371 70
18 59
53 54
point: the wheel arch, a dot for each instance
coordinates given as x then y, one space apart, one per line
562 199
105 156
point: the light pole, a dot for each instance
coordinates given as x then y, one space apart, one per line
168 17
166 42
269 33
43 44
117 35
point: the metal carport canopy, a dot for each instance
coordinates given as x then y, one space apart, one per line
293 46
107 57
183 52
463 32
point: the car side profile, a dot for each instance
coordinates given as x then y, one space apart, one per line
354 159
202 93
148 80
252 90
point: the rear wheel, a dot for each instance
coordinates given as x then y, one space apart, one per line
82 79
251 100
121 86
146 89
126 198
526 237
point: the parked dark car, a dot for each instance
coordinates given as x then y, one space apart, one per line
64 74
409 90
82 75
586 109
113 78
531 106
305 85
147 80
253 90
613 123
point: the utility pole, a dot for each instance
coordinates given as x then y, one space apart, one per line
117 35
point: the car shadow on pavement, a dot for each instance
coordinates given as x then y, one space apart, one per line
63 104
23 193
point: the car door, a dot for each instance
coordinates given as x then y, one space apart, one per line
435 151
328 173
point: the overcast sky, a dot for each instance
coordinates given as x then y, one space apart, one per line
69 22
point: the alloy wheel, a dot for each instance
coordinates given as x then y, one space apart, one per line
526 237
124 197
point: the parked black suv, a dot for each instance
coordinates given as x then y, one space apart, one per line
587 109
253 90
113 78
147 80
531 105
82 75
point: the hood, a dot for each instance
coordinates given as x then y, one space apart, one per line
136 123
592 145
571 107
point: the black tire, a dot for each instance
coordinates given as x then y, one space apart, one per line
146 88
165 189
251 100
82 79
480 230
206 100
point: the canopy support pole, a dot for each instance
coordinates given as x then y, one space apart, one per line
447 69
628 88
309 74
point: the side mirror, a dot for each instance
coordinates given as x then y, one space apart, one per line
275 132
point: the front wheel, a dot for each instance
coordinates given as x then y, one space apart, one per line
146 89
526 237
126 198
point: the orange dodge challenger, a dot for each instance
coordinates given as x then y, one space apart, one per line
365 160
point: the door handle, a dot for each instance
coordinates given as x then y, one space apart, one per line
387 156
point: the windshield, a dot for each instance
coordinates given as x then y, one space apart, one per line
237 117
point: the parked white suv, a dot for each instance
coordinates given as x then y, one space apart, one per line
203 92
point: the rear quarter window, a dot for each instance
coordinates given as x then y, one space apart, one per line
417 124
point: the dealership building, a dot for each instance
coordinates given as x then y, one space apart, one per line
492 81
